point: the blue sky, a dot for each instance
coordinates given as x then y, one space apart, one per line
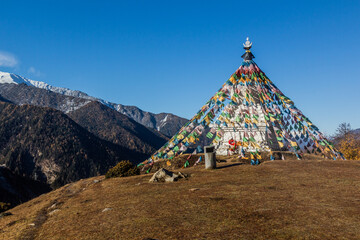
172 56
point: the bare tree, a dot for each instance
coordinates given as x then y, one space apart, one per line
343 130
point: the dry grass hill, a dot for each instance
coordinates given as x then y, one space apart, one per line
317 199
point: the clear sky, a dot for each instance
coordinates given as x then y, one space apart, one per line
172 56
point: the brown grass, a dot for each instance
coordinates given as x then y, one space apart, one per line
318 199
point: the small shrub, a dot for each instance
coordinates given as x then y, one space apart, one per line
4 206
123 169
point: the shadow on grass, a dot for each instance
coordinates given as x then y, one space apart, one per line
231 165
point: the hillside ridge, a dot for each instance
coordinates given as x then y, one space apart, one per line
46 145
288 199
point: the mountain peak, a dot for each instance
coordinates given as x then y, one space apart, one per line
6 77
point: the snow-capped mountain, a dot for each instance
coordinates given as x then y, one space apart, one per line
16 79
166 123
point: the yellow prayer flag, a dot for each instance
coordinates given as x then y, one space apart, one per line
180 136
232 79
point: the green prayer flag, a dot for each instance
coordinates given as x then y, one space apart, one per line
209 135
186 164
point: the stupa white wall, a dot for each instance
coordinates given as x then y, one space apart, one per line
237 131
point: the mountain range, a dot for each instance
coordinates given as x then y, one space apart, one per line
51 136
12 87
109 124
46 145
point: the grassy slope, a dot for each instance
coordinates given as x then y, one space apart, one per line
276 200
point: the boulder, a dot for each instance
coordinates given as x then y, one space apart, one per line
163 175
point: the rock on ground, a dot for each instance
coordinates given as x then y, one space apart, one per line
163 175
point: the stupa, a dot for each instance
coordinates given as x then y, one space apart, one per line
248 114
